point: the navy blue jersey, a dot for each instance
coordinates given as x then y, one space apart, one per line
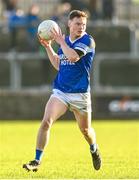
74 77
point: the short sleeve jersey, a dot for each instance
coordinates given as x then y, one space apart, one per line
74 77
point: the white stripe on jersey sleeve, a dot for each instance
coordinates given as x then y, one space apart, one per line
82 47
84 51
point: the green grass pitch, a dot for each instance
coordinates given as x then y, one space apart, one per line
67 155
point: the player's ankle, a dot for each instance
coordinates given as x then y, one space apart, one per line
93 147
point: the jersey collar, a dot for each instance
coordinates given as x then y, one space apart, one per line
76 39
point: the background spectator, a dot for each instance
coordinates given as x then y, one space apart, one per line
16 21
9 7
108 9
77 4
32 22
93 9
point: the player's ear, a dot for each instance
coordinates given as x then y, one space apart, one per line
69 23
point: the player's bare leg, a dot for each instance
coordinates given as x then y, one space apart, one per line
84 123
53 110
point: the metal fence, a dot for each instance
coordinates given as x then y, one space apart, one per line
127 10
47 7
15 58
123 9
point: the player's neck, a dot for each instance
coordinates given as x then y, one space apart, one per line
74 37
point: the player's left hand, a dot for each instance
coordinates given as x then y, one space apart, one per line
58 36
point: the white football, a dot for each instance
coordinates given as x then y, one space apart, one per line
45 27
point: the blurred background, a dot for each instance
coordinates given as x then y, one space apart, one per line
26 74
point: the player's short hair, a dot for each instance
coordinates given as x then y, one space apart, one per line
78 14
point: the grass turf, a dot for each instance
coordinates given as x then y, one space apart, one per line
67 155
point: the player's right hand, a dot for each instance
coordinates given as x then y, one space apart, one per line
44 42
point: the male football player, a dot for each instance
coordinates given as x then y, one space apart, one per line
71 87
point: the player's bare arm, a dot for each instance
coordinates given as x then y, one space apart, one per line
53 57
70 53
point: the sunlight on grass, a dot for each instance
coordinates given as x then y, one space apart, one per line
67 155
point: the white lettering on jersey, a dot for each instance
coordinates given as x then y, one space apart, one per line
64 61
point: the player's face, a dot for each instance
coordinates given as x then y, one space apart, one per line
77 26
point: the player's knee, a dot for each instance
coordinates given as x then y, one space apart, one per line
46 124
85 131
